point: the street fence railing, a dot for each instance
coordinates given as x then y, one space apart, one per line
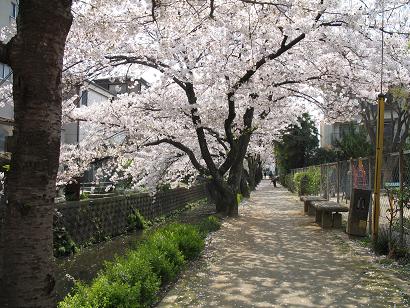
338 179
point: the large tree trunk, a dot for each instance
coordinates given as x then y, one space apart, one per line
252 166
36 57
224 197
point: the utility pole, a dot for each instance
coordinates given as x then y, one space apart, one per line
378 167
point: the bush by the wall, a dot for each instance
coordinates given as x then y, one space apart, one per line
209 224
136 221
135 279
308 182
288 182
381 244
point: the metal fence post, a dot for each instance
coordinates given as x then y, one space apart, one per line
327 182
338 181
370 225
401 178
321 180
351 179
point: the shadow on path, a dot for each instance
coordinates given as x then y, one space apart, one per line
272 255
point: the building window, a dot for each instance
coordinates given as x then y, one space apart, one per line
84 98
5 71
117 88
3 135
14 10
388 129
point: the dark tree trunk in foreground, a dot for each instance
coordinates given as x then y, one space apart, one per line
36 57
224 198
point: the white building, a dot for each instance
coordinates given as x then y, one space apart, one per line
74 132
331 133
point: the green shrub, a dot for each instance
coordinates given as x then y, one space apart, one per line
288 182
135 279
406 224
188 239
136 221
297 178
104 294
135 269
63 244
307 182
381 244
163 254
85 195
209 224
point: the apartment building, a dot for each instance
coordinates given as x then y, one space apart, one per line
8 14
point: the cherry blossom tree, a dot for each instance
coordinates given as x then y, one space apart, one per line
221 65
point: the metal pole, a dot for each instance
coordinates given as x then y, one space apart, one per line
321 180
327 183
338 181
351 180
378 166
370 225
401 172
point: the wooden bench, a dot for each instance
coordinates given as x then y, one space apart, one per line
327 213
307 200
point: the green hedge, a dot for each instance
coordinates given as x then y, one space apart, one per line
308 182
288 182
135 279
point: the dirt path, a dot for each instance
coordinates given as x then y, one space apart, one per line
273 256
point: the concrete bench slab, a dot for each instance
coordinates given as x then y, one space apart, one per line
311 198
327 213
308 200
329 206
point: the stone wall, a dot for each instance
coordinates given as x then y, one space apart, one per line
92 220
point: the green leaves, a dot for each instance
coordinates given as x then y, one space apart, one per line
135 279
297 144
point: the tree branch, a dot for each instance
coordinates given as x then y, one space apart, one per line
183 148
153 6
212 4
218 137
159 66
247 76
234 154
196 120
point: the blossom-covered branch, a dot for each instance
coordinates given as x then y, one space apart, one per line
183 148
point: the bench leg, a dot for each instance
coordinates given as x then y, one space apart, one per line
305 207
318 217
326 219
311 209
337 220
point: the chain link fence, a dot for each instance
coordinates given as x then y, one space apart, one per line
337 181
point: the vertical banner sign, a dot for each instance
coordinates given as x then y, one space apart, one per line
378 165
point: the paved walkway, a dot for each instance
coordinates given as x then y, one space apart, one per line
273 256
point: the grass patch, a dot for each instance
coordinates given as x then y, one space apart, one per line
366 241
209 224
135 279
